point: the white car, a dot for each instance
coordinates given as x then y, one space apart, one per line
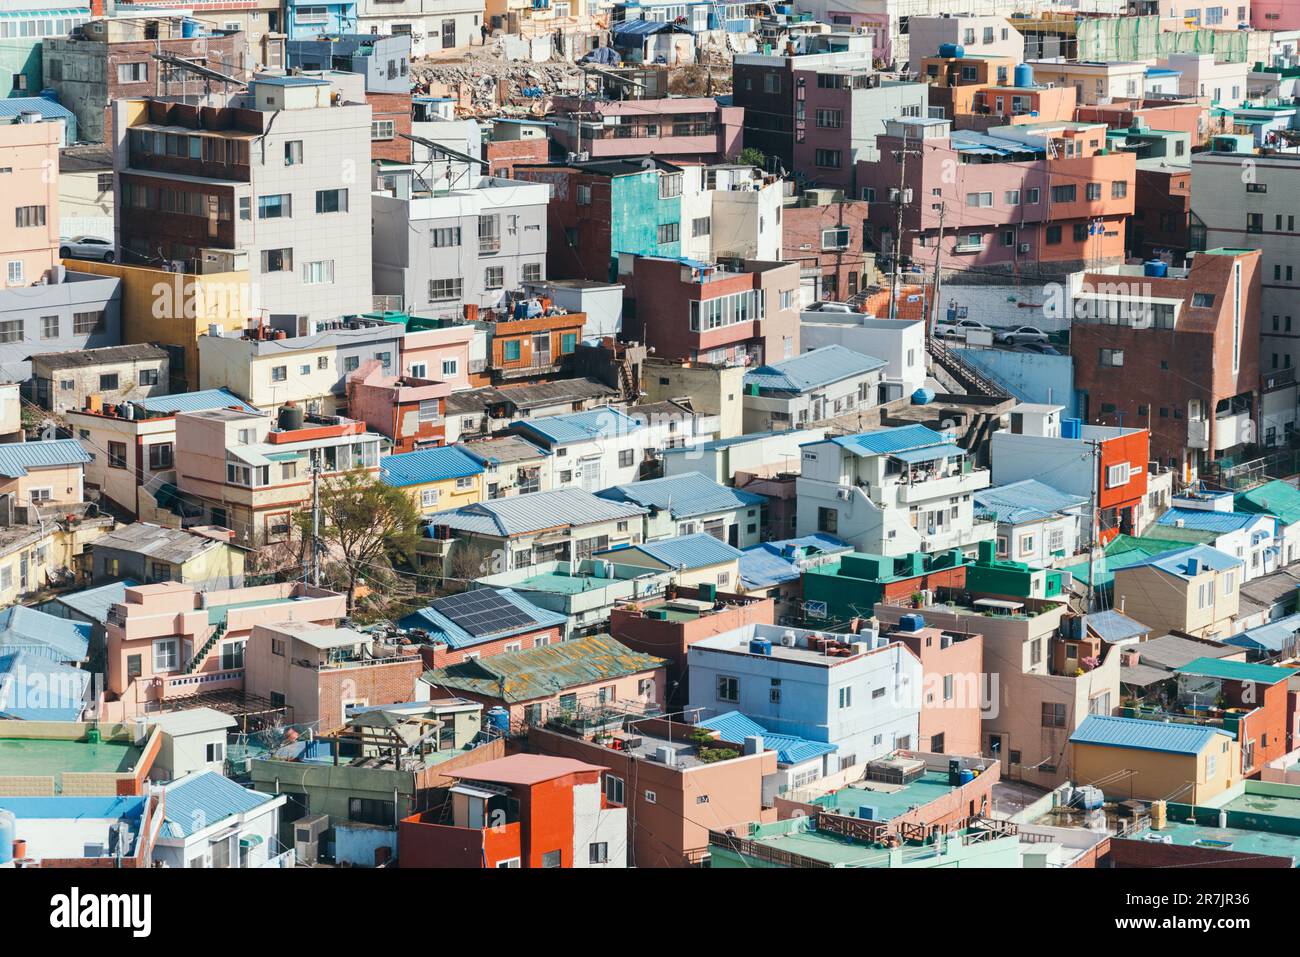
960 329
87 247
1023 336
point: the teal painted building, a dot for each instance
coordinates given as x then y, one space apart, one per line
642 217
21 33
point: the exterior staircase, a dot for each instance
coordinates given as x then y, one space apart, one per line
193 664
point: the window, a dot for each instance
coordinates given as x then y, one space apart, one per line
532 272
979 199
584 195
232 655
371 811
1111 358
1064 194
626 457
1093 191
1053 714
668 233
25 216
160 456
277 260
381 130
331 200
670 185
132 72
441 238
827 159
445 289
49 327
1202 300
1119 189
14 273
1053 235
1117 475
845 697
279 374
148 376
318 273
598 853
830 119
835 239
494 277
134 665
728 688
613 789
293 153
275 206
117 455
166 654
701 226
512 350
1254 222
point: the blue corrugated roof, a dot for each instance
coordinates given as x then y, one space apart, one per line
17 457
771 563
443 629
428 465
1176 563
735 727
891 441
813 369
1026 501
1113 626
929 453
1273 636
645 28
687 551
521 514
35 688
198 801
734 440
201 401
1206 521
580 426
1236 671
94 603
684 496
15 106
1143 735
57 639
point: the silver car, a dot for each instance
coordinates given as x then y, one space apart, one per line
87 247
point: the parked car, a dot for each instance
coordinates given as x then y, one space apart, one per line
1022 336
960 329
87 247
1041 348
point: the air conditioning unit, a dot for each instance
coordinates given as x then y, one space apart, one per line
842 494
1023 247
307 832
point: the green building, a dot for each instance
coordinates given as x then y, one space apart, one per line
990 575
850 586
21 33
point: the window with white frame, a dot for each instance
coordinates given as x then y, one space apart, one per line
1117 474
166 654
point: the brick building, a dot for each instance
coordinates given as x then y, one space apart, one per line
826 240
386 109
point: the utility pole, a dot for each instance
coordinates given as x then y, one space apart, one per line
315 522
938 275
1092 516
900 200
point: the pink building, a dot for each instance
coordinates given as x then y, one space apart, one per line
721 315
167 642
437 349
29 201
674 128
406 409
1275 15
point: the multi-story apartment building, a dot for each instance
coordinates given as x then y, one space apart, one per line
601 448
432 25
1235 203
694 129
261 21
43 306
249 473
978 34
23 29
276 183
409 411
384 60
812 387
113 59
437 249
738 314
826 238
891 492
1094 82
1107 463
731 211
272 366
1043 197
1176 354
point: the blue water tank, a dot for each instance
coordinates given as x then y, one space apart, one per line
1156 268
498 719
1071 428
760 646
1023 75
51 94
922 396
866 813
189 28
966 776
911 623
951 51
8 831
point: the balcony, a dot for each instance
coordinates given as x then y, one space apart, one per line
918 491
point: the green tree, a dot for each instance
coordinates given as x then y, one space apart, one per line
750 156
365 526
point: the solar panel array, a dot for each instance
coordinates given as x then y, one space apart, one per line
483 612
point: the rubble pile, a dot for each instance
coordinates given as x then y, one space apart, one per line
488 80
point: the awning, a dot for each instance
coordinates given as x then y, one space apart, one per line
253 840
911 456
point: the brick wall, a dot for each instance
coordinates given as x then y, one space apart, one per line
391 683
502 155
1129 853
395 107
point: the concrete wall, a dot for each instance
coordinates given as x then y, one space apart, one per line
79 293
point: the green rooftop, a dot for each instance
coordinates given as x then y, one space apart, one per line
1228 839
217 614
562 584
53 757
888 801
1277 498
1236 671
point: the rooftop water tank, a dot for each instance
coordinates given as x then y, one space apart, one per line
1024 75
965 776
911 623
1071 428
1156 268
498 719
760 646
951 51
8 832
189 28
922 396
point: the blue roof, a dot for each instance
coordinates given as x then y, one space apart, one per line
442 629
772 563
581 426
35 688
201 401
734 440
686 551
1113 626
50 637
534 512
272 80
198 801
17 457
1204 520
94 603
735 727
684 496
891 441
812 370
929 453
14 106
428 465
1026 501
1273 636
1176 563
1144 735
643 28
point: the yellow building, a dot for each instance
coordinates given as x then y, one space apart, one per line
1153 760
1194 591
173 309
436 479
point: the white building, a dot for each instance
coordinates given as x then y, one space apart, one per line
901 343
813 387
685 504
764 453
891 492
433 25
210 821
1208 518
1037 525
866 702
731 211
1202 77
192 740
